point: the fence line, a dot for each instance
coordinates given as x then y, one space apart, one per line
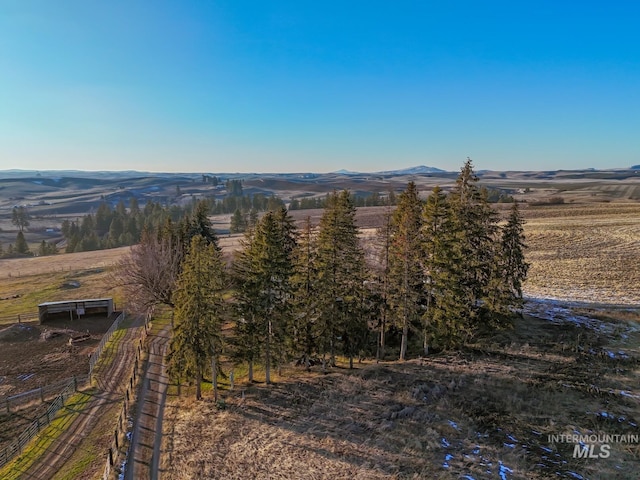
40 394
93 359
16 447
19 318
124 422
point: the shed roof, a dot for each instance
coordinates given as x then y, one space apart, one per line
85 300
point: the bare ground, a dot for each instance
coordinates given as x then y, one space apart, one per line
33 355
109 391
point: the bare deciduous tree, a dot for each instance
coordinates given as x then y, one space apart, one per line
149 271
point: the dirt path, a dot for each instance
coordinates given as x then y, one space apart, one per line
144 455
109 390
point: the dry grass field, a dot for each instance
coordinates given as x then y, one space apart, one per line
483 413
587 252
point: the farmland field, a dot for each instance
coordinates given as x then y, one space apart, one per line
586 252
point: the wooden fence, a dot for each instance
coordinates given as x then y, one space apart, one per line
119 447
17 446
40 394
19 318
93 359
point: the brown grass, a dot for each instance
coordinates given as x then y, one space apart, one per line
584 252
494 403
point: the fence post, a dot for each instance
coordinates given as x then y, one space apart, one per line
8 410
75 384
41 395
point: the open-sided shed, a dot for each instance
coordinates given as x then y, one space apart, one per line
75 308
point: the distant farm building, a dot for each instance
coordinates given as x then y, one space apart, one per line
73 309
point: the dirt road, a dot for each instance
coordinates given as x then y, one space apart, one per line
144 454
109 389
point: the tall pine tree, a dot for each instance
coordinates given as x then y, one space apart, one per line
504 296
262 273
464 262
381 271
21 244
304 328
341 277
434 247
199 313
406 285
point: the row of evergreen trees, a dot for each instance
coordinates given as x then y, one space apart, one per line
374 199
21 248
118 226
443 271
113 227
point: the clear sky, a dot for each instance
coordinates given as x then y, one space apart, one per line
290 86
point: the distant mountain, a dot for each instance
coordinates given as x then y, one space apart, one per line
420 169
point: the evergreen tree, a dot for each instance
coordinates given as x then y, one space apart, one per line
238 223
463 266
513 246
405 263
263 276
510 270
47 248
247 339
434 216
21 244
104 215
116 229
475 223
381 271
305 285
341 277
199 313
121 208
198 223
134 207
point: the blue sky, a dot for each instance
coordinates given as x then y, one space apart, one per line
276 86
